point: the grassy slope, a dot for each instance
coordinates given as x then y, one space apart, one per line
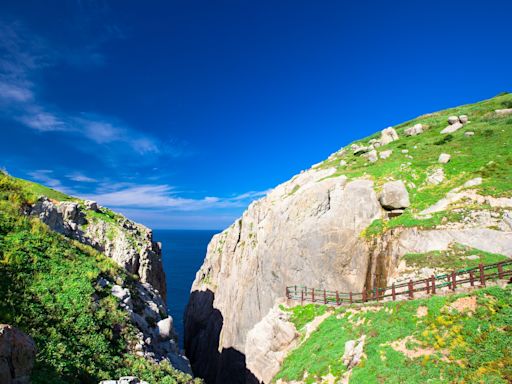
486 154
48 289
477 347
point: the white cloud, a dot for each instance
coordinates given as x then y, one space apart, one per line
81 178
163 196
45 176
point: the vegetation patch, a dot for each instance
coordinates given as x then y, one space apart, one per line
444 345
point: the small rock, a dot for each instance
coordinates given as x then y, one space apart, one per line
473 182
360 150
437 177
471 257
463 119
405 151
343 163
388 135
128 380
414 130
120 292
452 127
504 112
385 154
395 213
103 282
353 352
92 205
452 120
165 331
444 158
372 156
469 133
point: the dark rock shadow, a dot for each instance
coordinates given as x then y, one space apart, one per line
203 325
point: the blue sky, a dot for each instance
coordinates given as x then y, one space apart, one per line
179 113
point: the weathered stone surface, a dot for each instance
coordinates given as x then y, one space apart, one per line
394 195
372 156
416 129
92 205
436 177
385 154
268 342
452 120
316 229
17 355
469 133
353 352
503 112
165 328
463 119
388 135
444 158
124 380
452 128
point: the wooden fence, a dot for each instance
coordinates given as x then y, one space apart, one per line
468 277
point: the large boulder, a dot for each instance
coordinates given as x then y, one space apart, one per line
394 195
414 130
388 135
444 158
452 127
17 355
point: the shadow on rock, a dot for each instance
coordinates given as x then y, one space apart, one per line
203 324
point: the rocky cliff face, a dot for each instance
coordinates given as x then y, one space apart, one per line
131 246
312 231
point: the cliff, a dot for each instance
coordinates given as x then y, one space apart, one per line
88 285
433 184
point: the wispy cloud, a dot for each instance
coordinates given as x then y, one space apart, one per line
47 178
164 196
80 177
23 56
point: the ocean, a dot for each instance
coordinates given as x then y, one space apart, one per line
183 252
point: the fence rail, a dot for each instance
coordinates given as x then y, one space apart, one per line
477 276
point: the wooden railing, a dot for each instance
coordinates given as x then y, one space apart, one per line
466 277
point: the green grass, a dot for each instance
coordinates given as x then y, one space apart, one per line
486 154
48 290
301 315
40 190
477 347
452 259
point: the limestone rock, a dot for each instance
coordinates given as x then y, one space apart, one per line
360 150
372 156
342 163
385 154
268 343
452 120
443 158
463 119
394 195
92 205
469 133
416 129
353 352
17 355
388 135
452 127
165 328
316 229
437 177
503 112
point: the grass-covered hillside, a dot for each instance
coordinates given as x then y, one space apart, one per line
49 290
486 154
464 338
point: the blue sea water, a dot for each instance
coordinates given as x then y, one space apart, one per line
183 252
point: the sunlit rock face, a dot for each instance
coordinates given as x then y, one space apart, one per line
306 231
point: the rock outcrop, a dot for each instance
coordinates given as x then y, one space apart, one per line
126 242
312 223
17 355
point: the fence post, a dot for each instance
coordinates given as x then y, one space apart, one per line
411 290
454 280
364 295
350 296
433 284
325 297
295 291
482 274
337 298
471 278
312 295
286 295
393 292
428 286
500 270
302 297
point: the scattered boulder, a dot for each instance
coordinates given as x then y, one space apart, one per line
452 127
437 177
385 154
463 119
343 163
394 195
120 292
353 352
17 355
469 133
372 156
92 205
165 330
452 120
360 150
405 151
473 182
444 158
503 112
414 130
388 135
